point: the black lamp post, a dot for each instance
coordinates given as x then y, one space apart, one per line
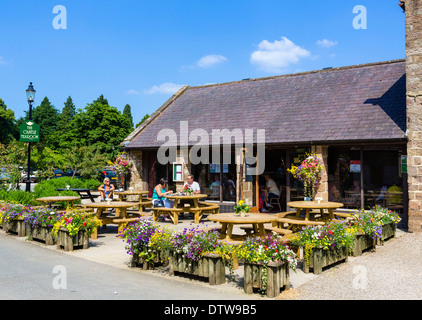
30 96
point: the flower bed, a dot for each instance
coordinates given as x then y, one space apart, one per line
325 245
40 222
389 220
12 218
73 230
266 264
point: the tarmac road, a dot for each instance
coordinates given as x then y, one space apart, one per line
28 272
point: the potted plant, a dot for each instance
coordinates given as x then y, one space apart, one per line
367 230
74 229
138 242
325 245
187 190
310 173
241 208
266 264
194 252
40 224
388 220
12 218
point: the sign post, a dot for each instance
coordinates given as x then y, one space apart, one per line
29 132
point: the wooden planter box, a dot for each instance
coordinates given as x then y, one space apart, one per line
43 234
362 243
16 227
211 266
277 277
161 259
68 243
388 231
319 258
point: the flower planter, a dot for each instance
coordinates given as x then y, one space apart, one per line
210 266
277 277
362 243
16 227
161 259
388 231
319 258
69 243
43 234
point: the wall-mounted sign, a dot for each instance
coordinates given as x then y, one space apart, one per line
354 165
177 172
29 132
403 164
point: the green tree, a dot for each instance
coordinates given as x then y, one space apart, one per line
68 112
128 113
7 123
143 120
47 117
99 125
85 160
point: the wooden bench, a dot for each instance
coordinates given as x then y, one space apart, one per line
205 207
172 212
283 215
341 214
250 230
297 223
144 203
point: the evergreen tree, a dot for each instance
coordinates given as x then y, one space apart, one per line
47 117
128 113
143 120
68 112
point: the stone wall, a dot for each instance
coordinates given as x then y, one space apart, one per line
414 111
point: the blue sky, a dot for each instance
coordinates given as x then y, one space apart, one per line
139 52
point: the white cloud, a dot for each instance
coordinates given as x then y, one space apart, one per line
210 60
274 56
166 88
132 91
325 43
2 60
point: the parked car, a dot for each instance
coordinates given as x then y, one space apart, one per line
32 176
4 174
58 173
110 174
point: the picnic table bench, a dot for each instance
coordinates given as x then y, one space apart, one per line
172 212
205 207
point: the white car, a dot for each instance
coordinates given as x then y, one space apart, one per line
24 176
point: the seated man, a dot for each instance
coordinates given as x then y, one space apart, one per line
192 185
106 190
271 186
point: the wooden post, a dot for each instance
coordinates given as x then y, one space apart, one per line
317 255
247 287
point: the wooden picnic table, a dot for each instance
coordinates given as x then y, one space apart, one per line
70 200
181 200
143 202
228 220
121 217
84 193
308 206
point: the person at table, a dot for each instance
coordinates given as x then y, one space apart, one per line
193 185
159 194
271 187
333 193
106 190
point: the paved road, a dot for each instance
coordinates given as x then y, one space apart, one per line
28 271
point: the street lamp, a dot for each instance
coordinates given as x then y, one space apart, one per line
30 96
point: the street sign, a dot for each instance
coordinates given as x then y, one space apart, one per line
29 132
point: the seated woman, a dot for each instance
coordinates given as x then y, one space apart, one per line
106 190
159 193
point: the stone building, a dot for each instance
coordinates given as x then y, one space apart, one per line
363 121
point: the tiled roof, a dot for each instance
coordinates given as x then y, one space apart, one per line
357 103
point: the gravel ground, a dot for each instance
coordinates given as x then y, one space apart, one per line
393 272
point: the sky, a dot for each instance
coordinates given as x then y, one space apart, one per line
140 52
